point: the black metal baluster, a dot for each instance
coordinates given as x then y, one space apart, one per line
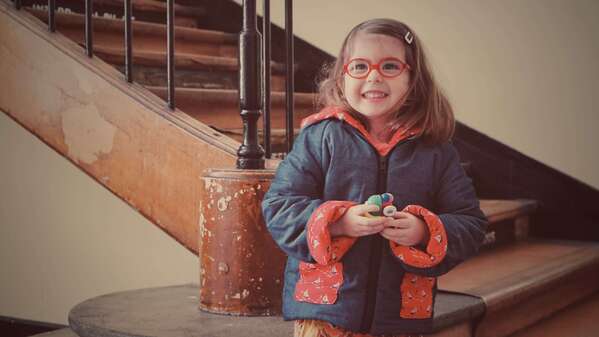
170 40
128 43
289 87
250 154
89 29
266 75
51 12
18 4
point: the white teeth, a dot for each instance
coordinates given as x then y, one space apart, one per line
374 94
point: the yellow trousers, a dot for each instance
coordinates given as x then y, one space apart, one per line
314 328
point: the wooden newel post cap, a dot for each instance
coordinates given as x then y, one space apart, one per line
241 268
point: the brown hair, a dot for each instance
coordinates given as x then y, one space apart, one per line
424 107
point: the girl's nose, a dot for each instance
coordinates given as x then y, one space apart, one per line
374 76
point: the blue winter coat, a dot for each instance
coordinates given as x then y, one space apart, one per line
335 159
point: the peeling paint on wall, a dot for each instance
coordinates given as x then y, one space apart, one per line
86 134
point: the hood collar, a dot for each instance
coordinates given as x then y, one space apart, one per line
341 114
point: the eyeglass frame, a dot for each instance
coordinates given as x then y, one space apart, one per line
372 66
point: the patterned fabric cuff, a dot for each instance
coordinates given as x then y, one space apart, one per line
323 248
437 244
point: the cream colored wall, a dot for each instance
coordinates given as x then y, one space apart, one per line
524 72
65 239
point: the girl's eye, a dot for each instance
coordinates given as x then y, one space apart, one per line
359 66
391 68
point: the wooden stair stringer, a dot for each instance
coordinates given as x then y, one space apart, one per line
120 134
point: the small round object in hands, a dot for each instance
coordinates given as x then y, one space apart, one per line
389 210
385 203
375 200
387 199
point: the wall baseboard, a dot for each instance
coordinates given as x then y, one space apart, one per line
16 327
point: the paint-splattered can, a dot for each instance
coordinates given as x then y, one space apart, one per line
241 268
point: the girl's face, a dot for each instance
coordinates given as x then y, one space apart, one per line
376 97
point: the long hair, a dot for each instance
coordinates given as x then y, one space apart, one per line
424 107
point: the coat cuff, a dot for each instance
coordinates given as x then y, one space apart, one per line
436 247
323 248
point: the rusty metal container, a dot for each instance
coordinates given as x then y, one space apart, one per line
241 268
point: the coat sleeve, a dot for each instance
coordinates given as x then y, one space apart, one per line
294 212
456 228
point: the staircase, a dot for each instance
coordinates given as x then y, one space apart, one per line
205 62
517 286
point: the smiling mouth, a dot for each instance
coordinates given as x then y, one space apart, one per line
374 95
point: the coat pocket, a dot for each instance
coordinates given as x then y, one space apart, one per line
417 296
319 284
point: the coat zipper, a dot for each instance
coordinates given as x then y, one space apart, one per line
376 251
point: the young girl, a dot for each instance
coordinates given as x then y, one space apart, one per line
385 128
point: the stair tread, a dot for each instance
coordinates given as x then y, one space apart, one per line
525 282
151 6
497 210
526 267
230 95
580 320
66 332
139 27
174 311
182 60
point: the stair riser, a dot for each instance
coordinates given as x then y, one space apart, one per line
278 143
225 115
505 232
526 311
113 37
222 111
118 10
207 79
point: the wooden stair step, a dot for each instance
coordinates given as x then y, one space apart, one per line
508 220
579 320
191 70
498 210
146 36
525 282
220 107
143 10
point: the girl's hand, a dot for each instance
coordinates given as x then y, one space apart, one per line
355 223
406 229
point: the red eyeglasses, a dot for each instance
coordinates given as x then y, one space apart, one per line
389 67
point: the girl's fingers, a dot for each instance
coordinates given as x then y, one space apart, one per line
376 221
369 227
363 231
372 230
403 224
392 232
364 208
402 215
391 237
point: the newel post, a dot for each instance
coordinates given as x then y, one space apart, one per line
250 154
241 267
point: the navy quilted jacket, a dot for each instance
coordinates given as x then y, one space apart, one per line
368 284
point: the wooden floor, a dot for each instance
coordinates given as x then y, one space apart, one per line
580 320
